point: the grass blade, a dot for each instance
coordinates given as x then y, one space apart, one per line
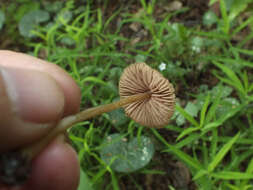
187 131
229 175
185 157
211 113
220 121
203 110
231 75
180 154
224 150
187 116
229 60
84 182
94 79
114 181
224 15
187 141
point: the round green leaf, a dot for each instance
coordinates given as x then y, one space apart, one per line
2 19
124 156
30 20
209 18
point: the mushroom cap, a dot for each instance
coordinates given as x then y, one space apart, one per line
154 111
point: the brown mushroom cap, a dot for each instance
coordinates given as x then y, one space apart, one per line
154 111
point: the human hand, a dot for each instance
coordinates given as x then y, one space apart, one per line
34 95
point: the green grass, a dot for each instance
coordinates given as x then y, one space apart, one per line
210 68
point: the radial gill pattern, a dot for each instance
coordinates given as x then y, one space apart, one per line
156 110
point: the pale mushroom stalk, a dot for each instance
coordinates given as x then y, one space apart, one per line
32 150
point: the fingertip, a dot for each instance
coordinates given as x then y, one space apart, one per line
57 167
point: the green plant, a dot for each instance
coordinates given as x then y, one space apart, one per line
241 84
210 62
2 19
30 20
124 156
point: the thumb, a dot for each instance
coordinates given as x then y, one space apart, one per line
31 102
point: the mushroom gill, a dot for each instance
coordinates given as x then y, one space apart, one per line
154 111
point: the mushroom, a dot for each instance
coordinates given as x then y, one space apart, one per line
154 111
147 97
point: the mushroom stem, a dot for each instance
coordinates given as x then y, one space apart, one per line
32 150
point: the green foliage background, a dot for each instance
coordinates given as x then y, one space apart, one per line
209 63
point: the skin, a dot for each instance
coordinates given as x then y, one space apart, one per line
34 95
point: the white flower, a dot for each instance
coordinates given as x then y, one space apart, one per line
162 66
196 49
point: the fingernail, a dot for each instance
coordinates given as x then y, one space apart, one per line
34 95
